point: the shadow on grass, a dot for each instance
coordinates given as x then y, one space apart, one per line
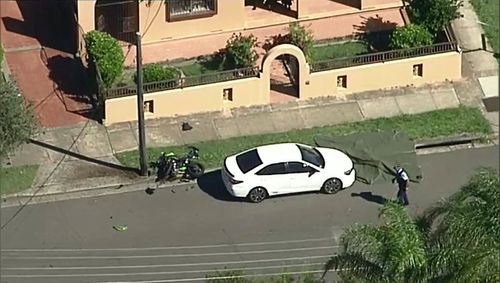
213 62
376 32
211 183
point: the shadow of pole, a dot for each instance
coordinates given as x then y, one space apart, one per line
85 158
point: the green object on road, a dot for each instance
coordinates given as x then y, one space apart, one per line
374 154
120 228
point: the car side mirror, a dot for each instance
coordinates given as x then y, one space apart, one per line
312 171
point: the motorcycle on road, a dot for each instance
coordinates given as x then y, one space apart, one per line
169 166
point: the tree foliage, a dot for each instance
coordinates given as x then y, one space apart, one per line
393 252
434 14
466 242
410 36
157 73
240 51
107 53
17 122
457 240
301 37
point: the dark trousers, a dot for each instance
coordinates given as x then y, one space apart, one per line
402 196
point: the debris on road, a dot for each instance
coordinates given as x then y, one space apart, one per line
120 228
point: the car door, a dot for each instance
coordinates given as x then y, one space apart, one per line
302 177
274 178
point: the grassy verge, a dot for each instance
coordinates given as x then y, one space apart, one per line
338 50
488 12
428 125
198 68
17 179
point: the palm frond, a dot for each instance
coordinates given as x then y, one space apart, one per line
356 265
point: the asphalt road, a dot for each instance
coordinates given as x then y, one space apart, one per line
182 234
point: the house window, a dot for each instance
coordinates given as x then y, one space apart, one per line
342 81
149 106
227 94
128 24
418 70
178 10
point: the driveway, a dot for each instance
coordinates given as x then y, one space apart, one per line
39 39
179 235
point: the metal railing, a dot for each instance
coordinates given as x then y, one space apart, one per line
235 74
190 8
380 57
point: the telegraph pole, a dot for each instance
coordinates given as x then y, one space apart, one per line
140 109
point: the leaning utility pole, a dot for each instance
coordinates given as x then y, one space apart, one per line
140 109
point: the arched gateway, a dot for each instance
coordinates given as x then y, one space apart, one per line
298 69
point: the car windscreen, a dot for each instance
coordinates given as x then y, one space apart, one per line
248 160
312 156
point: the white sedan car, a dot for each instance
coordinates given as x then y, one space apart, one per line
286 168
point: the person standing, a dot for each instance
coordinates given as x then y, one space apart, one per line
402 180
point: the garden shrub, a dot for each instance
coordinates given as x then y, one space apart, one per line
156 73
240 52
107 53
410 36
434 14
302 38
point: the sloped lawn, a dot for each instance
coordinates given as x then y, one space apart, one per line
440 123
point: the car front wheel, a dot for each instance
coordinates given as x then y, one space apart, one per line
332 186
257 195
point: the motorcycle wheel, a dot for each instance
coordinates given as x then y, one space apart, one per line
165 172
195 170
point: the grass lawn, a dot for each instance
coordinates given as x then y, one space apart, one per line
198 68
16 179
428 125
206 65
488 12
338 50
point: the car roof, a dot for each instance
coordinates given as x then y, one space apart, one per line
280 152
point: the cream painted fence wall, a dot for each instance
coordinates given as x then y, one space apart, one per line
434 68
256 91
196 99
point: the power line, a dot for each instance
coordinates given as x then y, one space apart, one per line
46 179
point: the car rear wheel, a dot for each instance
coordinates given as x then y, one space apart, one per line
332 186
257 195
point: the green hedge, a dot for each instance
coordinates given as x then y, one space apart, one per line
157 73
107 53
410 36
